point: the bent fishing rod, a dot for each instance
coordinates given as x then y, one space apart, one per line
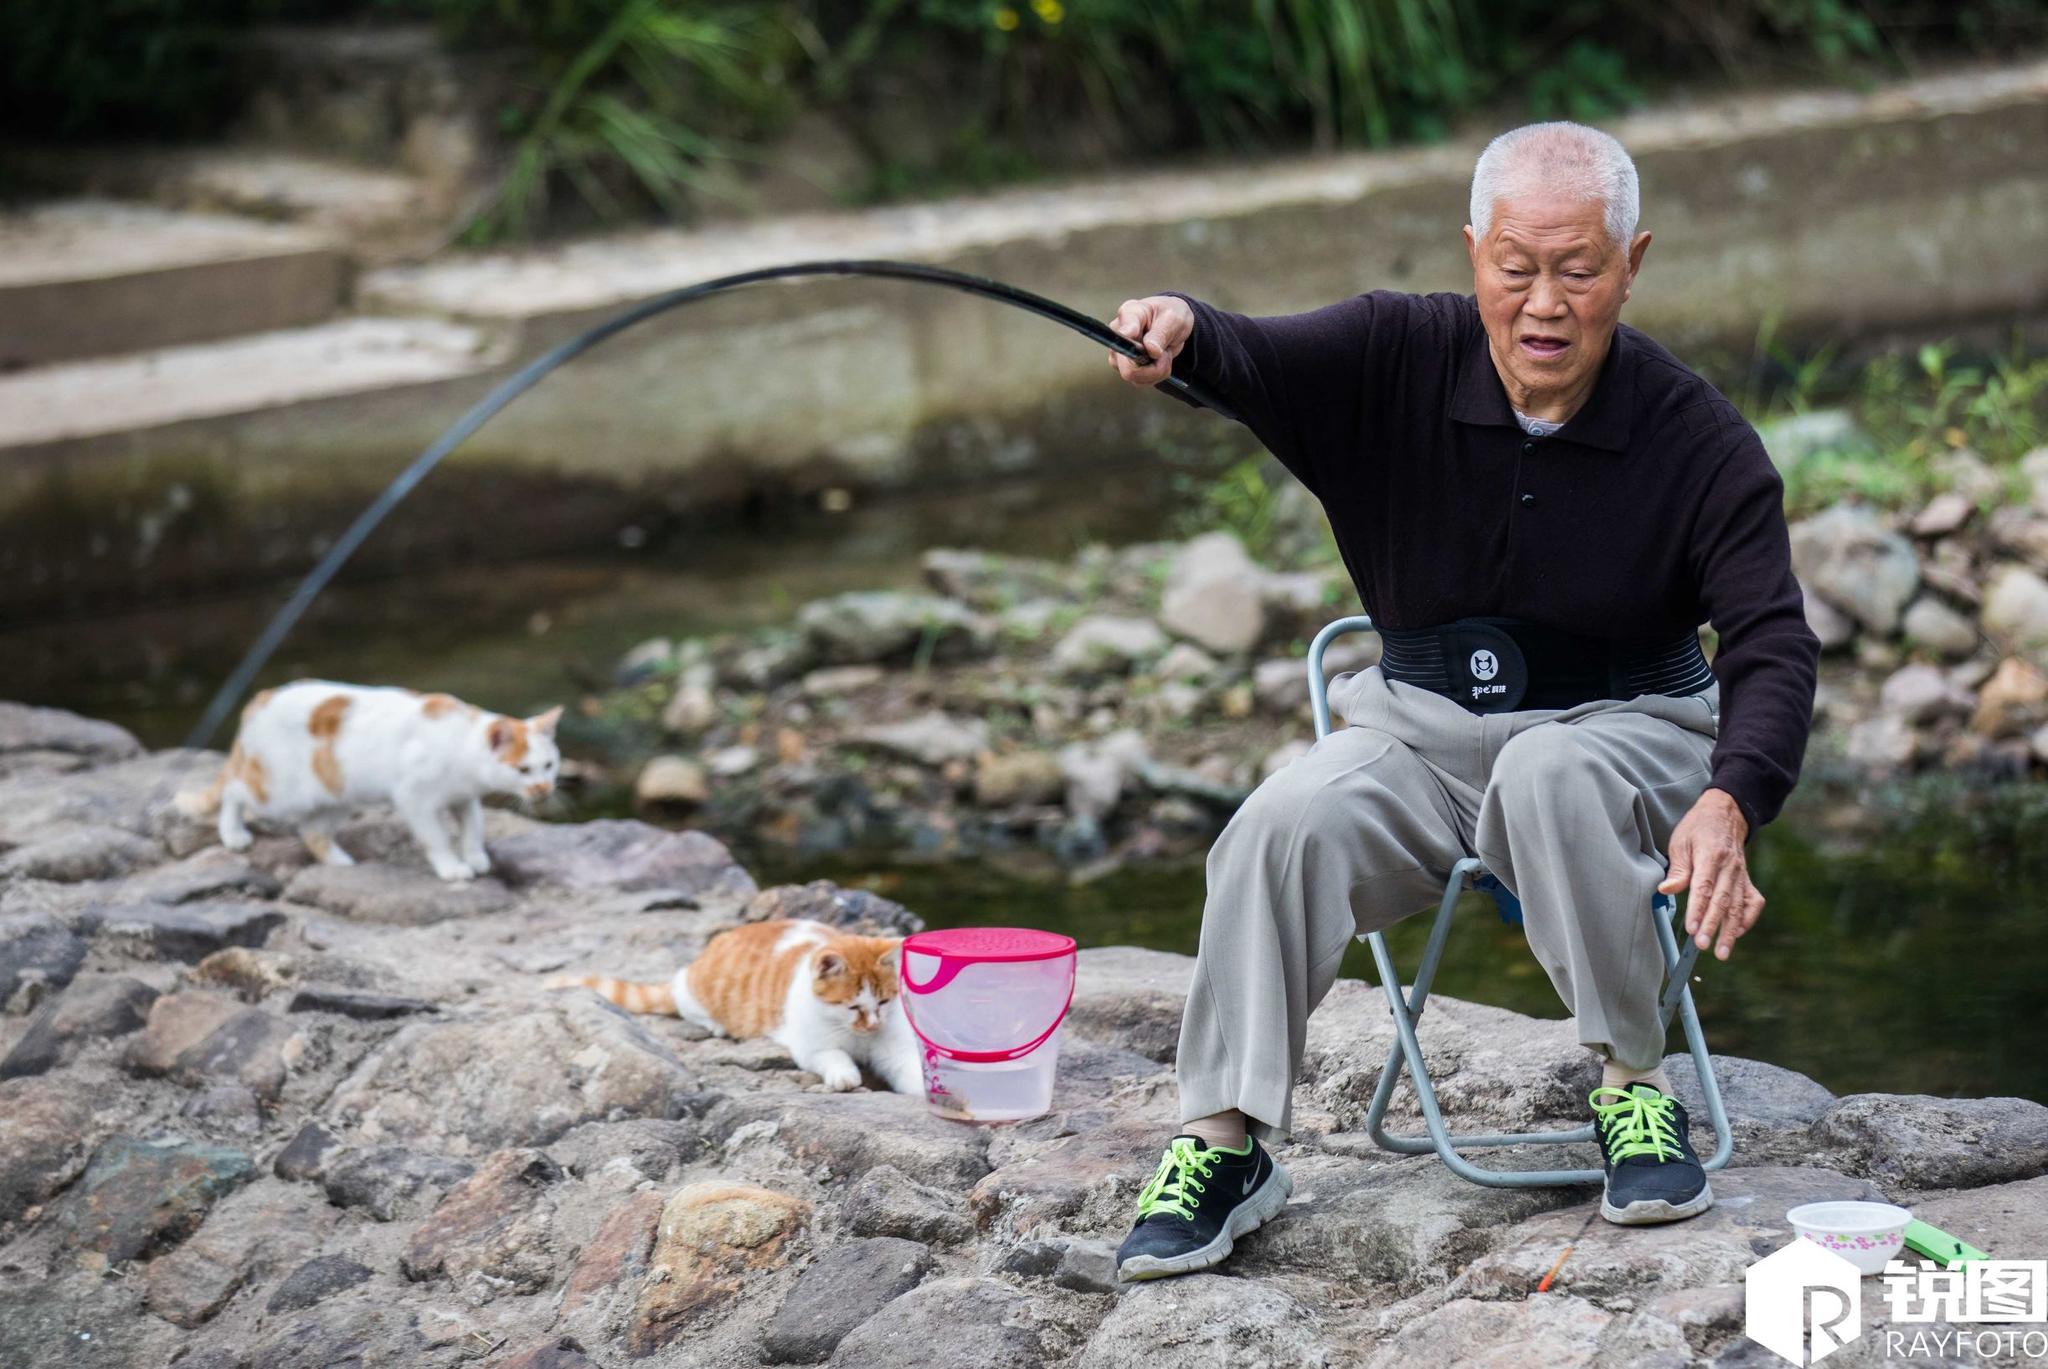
529 375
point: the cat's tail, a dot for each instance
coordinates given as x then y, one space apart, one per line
633 997
202 803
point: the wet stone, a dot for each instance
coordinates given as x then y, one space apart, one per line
251 975
316 1281
821 900
1087 1267
364 1332
177 1023
392 1182
884 1201
558 1354
1770 1110
493 1224
37 957
25 729
199 1039
249 1238
253 1049
645 1148
395 895
93 1008
1922 1142
847 1285
619 854
519 1078
951 1324
209 874
1547 1330
81 1322
307 1153
139 1196
710 1239
1211 1319
229 1108
617 1255
187 931
364 1007
75 855
44 1140
850 1133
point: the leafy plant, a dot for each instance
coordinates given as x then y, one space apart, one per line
1239 500
1912 409
632 107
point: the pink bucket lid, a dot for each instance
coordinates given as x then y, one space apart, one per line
971 945
955 948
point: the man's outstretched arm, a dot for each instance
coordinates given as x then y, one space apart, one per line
1296 380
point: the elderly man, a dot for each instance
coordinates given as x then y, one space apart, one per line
1539 507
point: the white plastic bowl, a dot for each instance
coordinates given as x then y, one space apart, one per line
1868 1235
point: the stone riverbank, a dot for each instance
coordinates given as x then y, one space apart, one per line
258 1115
1121 704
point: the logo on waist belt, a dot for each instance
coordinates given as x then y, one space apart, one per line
1485 665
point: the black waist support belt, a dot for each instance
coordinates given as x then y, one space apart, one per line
1492 665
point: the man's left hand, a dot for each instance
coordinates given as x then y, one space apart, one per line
1707 857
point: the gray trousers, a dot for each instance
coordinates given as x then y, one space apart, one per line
1570 808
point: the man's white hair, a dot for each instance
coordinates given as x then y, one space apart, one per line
1558 159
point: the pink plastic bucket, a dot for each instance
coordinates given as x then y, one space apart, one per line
986 1004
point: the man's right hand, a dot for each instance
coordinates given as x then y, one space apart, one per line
1158 323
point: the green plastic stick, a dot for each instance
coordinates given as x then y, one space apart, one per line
1939 1246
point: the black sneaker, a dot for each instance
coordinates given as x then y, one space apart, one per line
1196 1206
1652 1173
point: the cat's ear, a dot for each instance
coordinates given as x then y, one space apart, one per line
503 732
829 964
892 950
545 723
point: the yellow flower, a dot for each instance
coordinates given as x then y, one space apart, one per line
1006 18
1051 11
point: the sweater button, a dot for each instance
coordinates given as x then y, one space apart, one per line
1528 501
1528 449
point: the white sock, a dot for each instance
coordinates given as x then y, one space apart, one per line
1618 1076
1220 1130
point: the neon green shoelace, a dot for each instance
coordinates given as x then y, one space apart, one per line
1640 1124
1178 1179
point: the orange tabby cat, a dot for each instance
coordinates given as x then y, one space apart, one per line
827 995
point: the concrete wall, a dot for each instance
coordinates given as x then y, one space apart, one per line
1916 209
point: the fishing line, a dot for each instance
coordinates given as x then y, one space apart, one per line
529 375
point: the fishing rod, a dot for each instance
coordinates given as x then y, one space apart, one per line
529 375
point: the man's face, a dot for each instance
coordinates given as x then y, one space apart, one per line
1550 285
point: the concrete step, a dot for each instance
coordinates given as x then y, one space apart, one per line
155 390
379 214
85 278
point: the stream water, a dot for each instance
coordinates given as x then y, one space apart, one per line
1907 959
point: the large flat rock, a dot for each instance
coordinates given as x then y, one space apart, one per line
510 1079
54 739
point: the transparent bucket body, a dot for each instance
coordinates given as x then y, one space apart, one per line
985 1008
1001 1091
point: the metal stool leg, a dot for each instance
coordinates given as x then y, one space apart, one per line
1678 993
1407 1053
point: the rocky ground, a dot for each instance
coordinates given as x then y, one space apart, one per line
258 1115
1122 704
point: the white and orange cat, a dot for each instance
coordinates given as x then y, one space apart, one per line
309 751
828 996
